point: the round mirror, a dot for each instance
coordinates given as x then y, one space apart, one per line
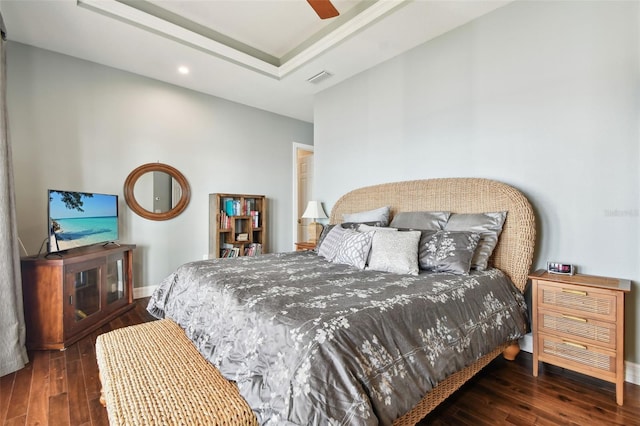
156 191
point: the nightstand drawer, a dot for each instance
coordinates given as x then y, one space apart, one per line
578 299
579 328
583 358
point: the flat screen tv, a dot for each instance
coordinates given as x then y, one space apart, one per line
78 219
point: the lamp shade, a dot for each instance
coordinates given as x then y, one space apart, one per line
314 210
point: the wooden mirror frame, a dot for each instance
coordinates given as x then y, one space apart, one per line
133 204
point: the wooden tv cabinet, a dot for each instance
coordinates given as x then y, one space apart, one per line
70 295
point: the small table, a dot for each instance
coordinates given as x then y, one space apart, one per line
578 324
306 245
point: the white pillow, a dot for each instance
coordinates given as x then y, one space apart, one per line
353 248
395 252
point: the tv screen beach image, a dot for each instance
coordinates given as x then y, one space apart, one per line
78 219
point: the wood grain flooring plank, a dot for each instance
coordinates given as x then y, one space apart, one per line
59 410
118 323
16 421
473 407
56 354
57 376
72 354
592 406
549 404
78 404
6 388
38 412
19 401
99 415
89 368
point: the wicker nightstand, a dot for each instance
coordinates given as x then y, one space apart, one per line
305 246
578 324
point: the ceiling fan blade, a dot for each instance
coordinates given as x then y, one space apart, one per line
324 8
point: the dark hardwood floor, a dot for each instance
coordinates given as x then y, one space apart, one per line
62 388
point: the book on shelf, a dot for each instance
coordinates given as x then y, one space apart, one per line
254 249
234 207
243 236
255 218
228 206
230 252
225 221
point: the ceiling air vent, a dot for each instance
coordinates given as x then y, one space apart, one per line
321 76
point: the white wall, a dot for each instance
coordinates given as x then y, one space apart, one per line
81 126
540 95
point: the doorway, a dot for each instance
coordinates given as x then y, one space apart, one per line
302 189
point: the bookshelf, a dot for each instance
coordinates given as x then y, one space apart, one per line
237 225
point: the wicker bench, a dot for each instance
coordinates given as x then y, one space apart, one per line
153 375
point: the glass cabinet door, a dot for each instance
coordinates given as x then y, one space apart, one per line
85 293
115 280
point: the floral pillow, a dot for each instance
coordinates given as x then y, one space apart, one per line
488 225
448 251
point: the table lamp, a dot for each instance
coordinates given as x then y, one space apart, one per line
314 211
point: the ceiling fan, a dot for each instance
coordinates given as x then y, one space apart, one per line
324 8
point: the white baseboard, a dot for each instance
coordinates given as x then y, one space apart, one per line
141 292
631 369
526 343
632 372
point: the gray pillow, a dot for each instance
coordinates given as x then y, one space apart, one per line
420 220
376 215
363 227
395 252
449 251
356 225
330 243
353 248
323 235
488 225
423 253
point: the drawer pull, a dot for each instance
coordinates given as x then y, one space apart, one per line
578 292
571 317
575 345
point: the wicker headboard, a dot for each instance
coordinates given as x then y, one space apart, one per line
514 252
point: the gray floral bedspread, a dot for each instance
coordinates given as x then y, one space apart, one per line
316 343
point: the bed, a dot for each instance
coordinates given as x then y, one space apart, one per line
314 342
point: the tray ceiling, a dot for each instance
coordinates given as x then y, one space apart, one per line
256 52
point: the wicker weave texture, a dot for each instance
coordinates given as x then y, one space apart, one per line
514 252
445 389
153 375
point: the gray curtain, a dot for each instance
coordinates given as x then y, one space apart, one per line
13 354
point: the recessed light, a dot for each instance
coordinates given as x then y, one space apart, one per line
183 70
